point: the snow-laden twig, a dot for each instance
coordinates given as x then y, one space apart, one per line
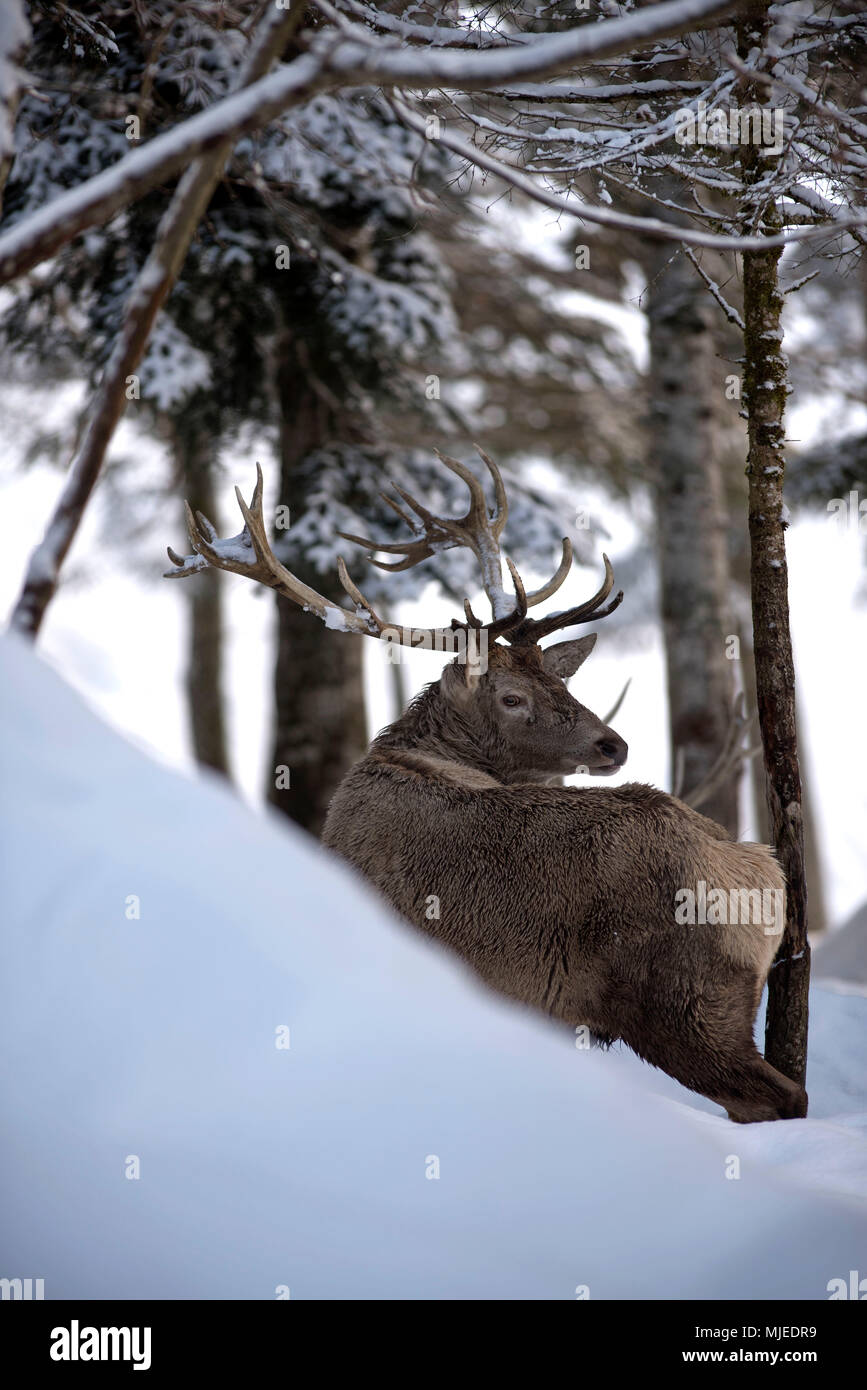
649 228
546 55
779 77
730 312
799 284
567 93
331 61
436 35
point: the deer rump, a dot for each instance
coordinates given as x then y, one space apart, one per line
563 899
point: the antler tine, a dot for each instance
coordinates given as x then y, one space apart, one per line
409 563
427 517
617 703
178 560
357 596
502 513
501 626
250 554
543 627
404 516
257 499
602 592
254 522
413 551
199 529
470 615
523 602
477 531
390 547
206 526
554 583
587 612
478 501
729 760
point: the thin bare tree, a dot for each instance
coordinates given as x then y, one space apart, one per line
147 296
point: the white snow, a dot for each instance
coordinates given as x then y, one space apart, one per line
153 1036
335 619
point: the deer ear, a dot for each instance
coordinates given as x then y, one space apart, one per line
564 658
460 680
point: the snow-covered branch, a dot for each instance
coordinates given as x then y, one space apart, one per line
730 312
547 55
332 61
437 35
43 233
650 228
569 94
148 294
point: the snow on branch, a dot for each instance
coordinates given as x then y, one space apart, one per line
331 61
545 56
148 294
570 94
438 35
44 232
650 228
346 54
731 313
800 89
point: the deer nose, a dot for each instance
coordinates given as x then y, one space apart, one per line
614 748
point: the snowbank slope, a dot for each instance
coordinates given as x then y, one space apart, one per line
155 1037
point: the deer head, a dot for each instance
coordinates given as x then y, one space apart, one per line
504 707
518 720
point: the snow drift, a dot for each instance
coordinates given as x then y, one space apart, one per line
418 1138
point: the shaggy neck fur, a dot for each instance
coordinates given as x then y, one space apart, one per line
434 727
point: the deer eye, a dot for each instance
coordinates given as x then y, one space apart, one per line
512 700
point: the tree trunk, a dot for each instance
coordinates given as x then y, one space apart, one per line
320 725
203 679
691 525
758 788
758 777
765 389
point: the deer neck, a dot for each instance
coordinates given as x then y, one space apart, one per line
435 731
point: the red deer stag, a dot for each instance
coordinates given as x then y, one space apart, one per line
570 900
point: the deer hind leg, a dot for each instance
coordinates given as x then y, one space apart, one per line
723 1063
753 1090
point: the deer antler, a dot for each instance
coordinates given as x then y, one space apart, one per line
588 612
478 531
249 553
